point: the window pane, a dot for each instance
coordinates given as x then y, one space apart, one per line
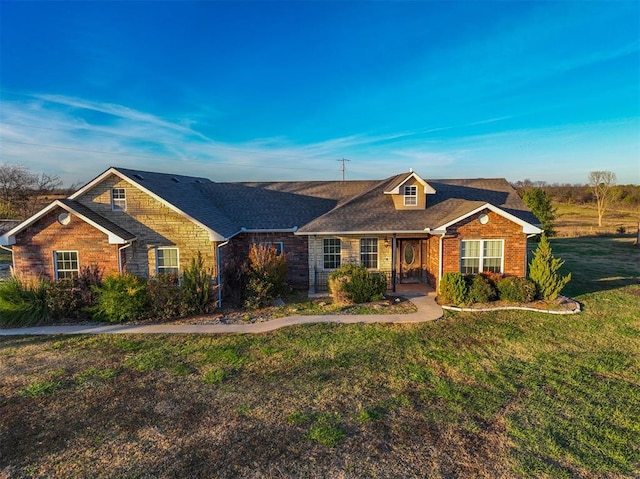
470 249
118 199
167 261
332 249
369 252
493 248
492 264
410 195
470 266
67 265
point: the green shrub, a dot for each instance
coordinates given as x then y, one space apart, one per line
63 300
266 275
543 271
165 297
88 277
453 289
121 298
480 289
516 290
23 302
356 284
199 294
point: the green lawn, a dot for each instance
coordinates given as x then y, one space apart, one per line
504 394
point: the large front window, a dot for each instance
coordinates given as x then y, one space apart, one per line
477 256
369 252
167 261
66 264
332 253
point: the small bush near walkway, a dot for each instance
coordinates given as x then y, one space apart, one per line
266 273
353 283
121 298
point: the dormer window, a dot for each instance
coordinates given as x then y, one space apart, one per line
118 199
411 195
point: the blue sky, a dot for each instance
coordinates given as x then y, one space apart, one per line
282 90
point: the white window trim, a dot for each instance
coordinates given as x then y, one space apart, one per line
276 244
123 200
177 258
377 253
56 271
408 195
481 251
332 254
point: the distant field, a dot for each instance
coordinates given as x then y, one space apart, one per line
582 220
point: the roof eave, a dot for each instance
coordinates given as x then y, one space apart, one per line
9 238
527 228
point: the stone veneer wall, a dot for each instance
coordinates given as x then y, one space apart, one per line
350 252
35 245
498 227
153 223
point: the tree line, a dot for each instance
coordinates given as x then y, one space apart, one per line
23 192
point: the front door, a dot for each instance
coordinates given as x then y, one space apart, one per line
410 261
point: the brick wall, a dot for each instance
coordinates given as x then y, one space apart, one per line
35 245
498 227
153 223
295 248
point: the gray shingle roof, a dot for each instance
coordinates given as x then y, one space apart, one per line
189 194
373 211
88 213
324 206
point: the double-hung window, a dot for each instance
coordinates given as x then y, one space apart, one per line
477 256
118 199
332 253
167 261
410 195
369 252
66 264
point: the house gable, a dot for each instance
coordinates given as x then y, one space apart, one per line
59 228
183 195
527 228
409 192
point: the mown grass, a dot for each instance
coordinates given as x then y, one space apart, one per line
506 394
598 263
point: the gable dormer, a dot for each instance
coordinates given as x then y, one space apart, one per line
409 192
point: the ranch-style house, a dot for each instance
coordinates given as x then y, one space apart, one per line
147 223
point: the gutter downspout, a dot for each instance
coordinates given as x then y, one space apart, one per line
120 250
440 265
219 278
13 265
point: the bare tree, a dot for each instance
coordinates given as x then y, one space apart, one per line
601 183
20 190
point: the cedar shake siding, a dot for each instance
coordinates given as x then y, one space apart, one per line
154 224
36 244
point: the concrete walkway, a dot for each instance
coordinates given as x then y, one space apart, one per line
428 310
